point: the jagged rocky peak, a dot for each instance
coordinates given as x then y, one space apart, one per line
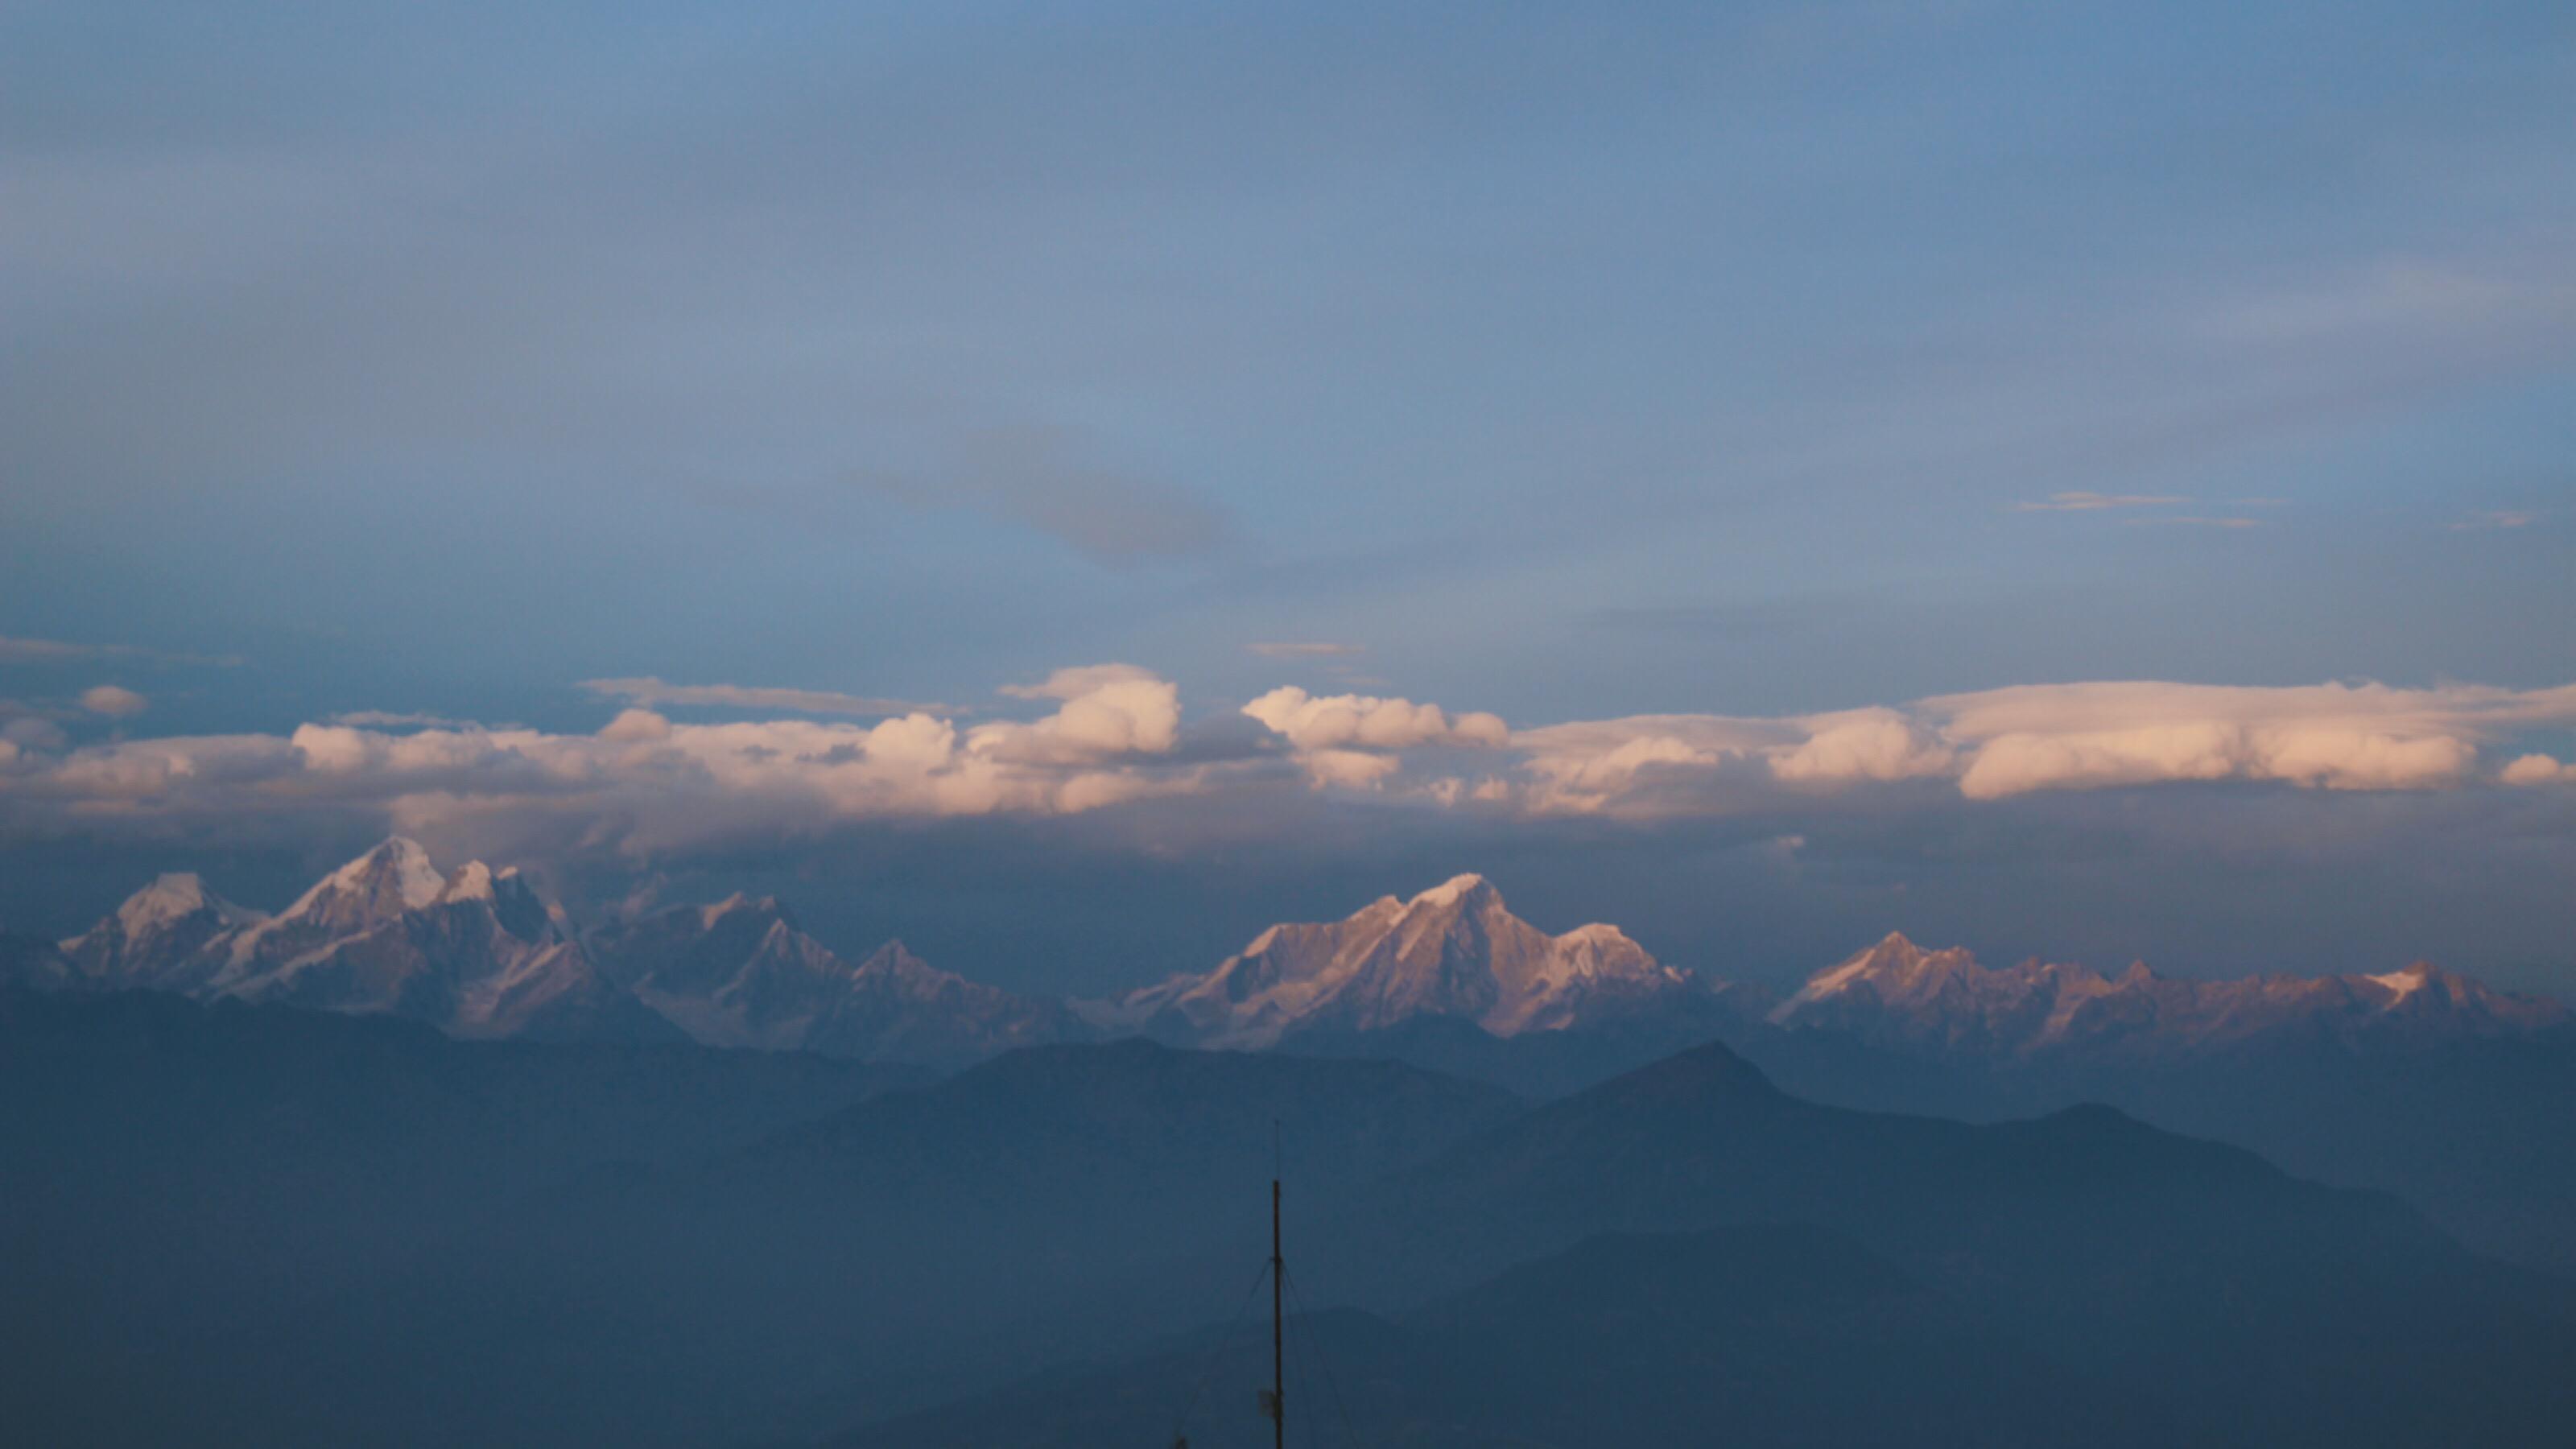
1895 967
1469 891
744 911
159 934
1896 992
394 877
1452 951
172 898
894 958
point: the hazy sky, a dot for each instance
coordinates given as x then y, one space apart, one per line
1724 416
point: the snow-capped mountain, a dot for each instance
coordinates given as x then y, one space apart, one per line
1454 951
1445 977
741 972
172 935
478 953
1944 1002
475 953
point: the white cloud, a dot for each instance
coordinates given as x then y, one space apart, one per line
1107 710
2339 736
1640 764
2538 770
1862 744
647 784
1317 722
1351 739
634 726
642 782
113 700
1349 769
2004 742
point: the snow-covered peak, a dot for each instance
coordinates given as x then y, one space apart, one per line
1597 933
396 875
1897 992
169 899
158 934
1458 889
2403 984
471 882
1452 951
766 908
893 955
1894 959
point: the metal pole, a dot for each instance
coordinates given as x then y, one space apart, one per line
1278 1357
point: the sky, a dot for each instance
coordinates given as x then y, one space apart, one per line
1071 484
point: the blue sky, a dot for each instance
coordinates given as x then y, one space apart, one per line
1564 363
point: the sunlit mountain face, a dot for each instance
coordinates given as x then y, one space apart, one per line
1841 723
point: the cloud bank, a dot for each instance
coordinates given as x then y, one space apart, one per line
1114 734
643 782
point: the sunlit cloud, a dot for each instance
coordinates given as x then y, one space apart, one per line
1350 739
642 783
1114 734
113 700
2538 770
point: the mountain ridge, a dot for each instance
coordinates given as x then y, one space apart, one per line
1448 977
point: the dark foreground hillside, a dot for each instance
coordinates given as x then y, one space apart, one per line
261 1226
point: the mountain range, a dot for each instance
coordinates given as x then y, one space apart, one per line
2419 1081
1896 993
478 953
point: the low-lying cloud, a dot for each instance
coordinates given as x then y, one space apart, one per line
1354 740
1113 734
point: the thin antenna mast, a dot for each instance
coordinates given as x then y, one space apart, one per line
1278 1289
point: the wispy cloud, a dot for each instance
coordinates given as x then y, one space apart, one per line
396 719
16 650
2198 521
2081 502
1286 650
1045 479
2400 300
2502 518
656 693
